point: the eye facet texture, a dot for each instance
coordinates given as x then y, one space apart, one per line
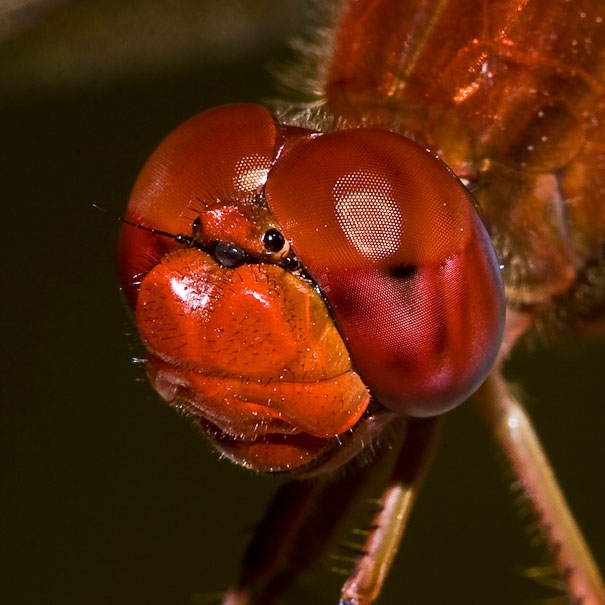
394 242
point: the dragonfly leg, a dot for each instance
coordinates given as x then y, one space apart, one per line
272 541
364 584
517 438
299 524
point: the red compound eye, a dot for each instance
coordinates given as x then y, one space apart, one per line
217 156
394 241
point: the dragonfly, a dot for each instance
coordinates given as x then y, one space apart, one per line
317 285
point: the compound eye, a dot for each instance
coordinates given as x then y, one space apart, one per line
393 239
229 255
273 240
223 153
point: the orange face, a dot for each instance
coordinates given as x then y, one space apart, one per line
283 280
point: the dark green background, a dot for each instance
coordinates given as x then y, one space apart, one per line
110 498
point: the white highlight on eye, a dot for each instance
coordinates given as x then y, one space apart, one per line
251 172
368 213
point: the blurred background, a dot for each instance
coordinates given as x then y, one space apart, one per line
107 496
